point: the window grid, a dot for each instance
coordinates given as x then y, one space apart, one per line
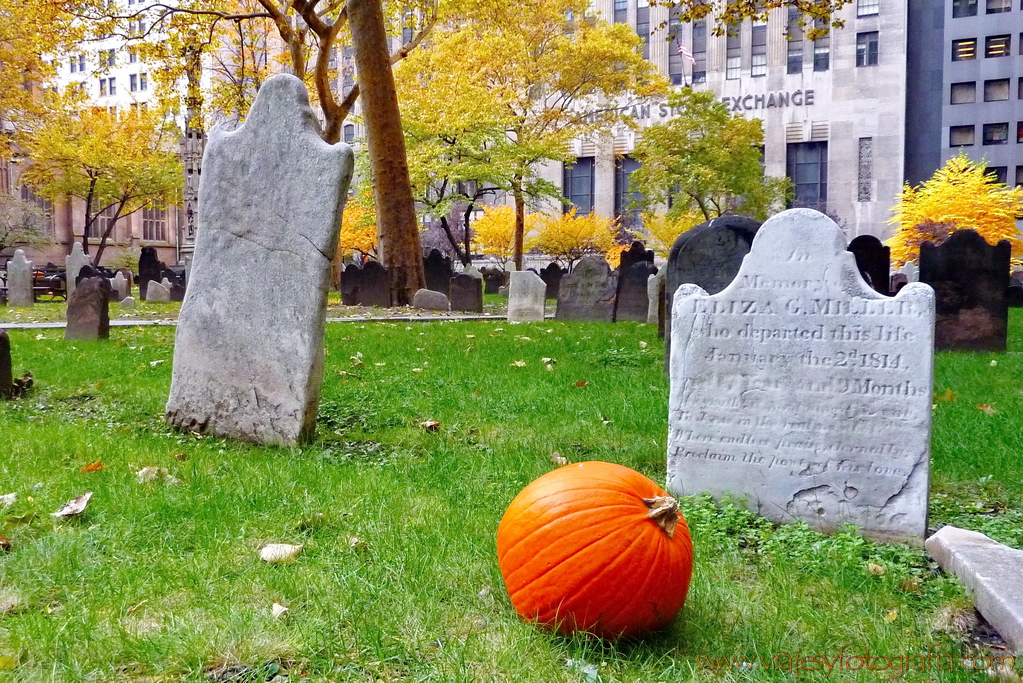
794 43
998 173
154 224
643 28
578 185
996 90
1019 132
866 8
998 6
807 166
758 46
621 11
995 133
963 93
964 8
866 48
997 46
625 195
961 136
1019 176
733 52
700 51
964 49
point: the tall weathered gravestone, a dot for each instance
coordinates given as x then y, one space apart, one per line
149 269
88 310
437 268
551 275
970 278
873 260
655 300
375 285
801 390
632 302
19 281
588 292
466 293
350 285
248 355
526 297
73 264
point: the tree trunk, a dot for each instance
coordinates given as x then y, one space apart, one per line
465 232
89 218
397 228
452 241
520 220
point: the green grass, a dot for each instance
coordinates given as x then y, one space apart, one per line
398 579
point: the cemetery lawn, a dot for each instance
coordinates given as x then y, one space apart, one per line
397 579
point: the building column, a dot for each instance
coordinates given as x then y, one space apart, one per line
604 177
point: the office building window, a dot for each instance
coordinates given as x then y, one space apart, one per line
154 224
997 6
996 133
578 185
643 25
963 93
865 171
621 11
45 205
349 133
997 173
102 222
964 8
996 90
733 52
1019 176
866 48
1019 132
700 51
676 68
143 82
758 46
960 136
997 46
822 49
1019 89
625 196
112 85
102 87
865 8
964 49
794 33
806 163
133 82
108 58
133 56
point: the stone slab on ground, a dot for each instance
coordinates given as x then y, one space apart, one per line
801 390
430 300
992 574
248 354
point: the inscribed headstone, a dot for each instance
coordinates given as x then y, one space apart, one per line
466 293
128 302
526 297
157 293
969 277
73 264
430 300
374 285
248 354
632 302
19 281
6 366
801 390
120 286
438 271
88 310
588 292
873 260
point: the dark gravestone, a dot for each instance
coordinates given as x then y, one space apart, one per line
84 273
493 278
1014 296
898 281
149 269
177 284
88 312
351 284
375 285
466 293
438 271
636 253
633 300
588 292
969 277
551 275
873 260
6 368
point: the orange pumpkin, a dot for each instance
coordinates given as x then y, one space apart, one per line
595 547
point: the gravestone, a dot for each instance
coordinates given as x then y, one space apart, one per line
969 277
6 366
429 300
632 302
19 281
1014 296
551 275
801 390
437 268
73 264
493 278
374 285
128 302
128 280
588 292
466 293
157 293
899 280
655 299
248 354
351 284
149 269
911 270
873 260
526 297
707 255
473 271
88 310
120 286
636 253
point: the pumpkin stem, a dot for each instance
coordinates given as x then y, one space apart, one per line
664 511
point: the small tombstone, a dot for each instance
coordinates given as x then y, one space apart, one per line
873 260
73 265
632 302
19 281
128 302
248 354
149 269
129 279
551 276
526 297
588 292
655 299
6 366
430 300
509 266
120 286
374 285
157 293
437 268
911 270
351 278
898 281
88 310
1014 296
473 271
636 253
493 278
466 293
503 291
801 390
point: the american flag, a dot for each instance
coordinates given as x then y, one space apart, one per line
686 54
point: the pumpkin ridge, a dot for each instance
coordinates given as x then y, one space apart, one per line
555 520
641 592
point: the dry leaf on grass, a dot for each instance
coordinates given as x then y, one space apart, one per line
891 615
580 384
430 425
278 610
74 507
875 568
948 396
97 466
278 553
7 500
985 408
153 473
5 543
519 363
559 459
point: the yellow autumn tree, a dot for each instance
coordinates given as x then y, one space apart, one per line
358 226
960 195
570 237
661 230
493 233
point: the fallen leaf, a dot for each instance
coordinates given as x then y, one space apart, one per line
279 553
580 384
911 584
417 369
357 543
891 615
470 336
984 407
548 360
7 500
153 473
948 396
519 364
357 361
278 610
97 466
154 363
181 456
993 363
642 345
430 425
74 507
380 365
875 568
549 367
5 543
559 459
